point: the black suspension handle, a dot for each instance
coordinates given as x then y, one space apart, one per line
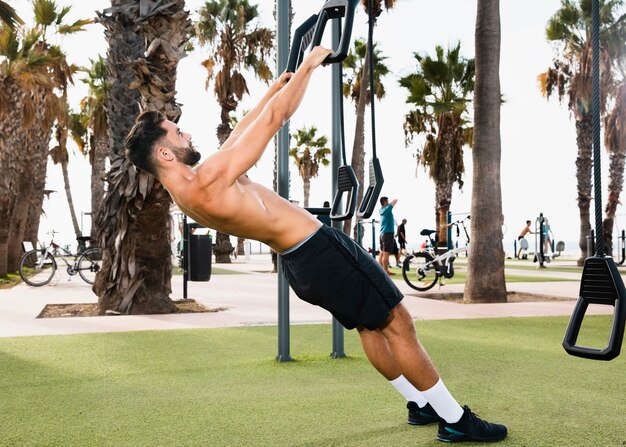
301 40
334 10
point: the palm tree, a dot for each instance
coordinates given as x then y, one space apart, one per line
95 120
485 275
236 43
48 107
356 72
31 70
440 91
23 67
8 15
146 42
60 155
310 152
570 76
615 142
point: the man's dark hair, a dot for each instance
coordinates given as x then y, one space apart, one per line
384 200
528 222
141 139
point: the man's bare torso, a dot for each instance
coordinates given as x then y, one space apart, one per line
244 209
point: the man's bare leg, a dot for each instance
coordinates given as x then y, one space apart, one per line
383 259
411 358
415 364
378 353
395 351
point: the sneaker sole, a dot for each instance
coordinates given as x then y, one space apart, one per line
471 439
416 422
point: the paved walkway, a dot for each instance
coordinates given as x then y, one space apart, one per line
250 298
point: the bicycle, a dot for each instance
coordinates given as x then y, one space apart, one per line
37 267
421 270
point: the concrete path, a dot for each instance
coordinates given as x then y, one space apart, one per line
250 298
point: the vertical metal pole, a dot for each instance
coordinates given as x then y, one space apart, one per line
623 246
541 239
373 238
449 231
338 350
282 52
185 256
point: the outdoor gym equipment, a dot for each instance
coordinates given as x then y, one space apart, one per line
601 282
540 256
347 184
376 179
311 33
292 59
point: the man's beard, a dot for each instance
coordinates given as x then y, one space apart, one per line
187 155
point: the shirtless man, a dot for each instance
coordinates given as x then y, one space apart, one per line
219 195
522 236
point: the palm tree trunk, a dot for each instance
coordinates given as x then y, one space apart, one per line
443 199
98 165
134 220
20 213
616 184
307 191
584 162
70 200
11 124
485 271
39 185
134 278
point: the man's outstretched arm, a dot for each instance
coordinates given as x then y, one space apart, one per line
246 150
249 117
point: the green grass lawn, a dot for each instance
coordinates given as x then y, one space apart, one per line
221 387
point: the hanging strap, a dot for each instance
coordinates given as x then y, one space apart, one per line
347 183
376 179
601 282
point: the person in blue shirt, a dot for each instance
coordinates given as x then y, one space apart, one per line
387 231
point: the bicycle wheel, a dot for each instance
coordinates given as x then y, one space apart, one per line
35 269
416 274
89 264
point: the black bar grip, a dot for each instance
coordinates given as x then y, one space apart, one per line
325 211
332 10
601 283
346 184
301 40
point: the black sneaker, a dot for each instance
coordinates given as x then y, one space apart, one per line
470 428
421 416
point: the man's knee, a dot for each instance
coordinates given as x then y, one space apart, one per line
399 322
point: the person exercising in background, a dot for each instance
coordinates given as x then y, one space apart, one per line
322 265
401 233
387 241
521 236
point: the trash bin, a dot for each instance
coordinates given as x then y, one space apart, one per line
199 254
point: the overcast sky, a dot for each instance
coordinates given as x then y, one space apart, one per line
538 137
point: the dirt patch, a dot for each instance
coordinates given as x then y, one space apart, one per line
512 297
91 309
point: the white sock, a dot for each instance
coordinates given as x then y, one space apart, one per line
444 404
407 389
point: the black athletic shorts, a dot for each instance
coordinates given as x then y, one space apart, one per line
387 241
332 271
